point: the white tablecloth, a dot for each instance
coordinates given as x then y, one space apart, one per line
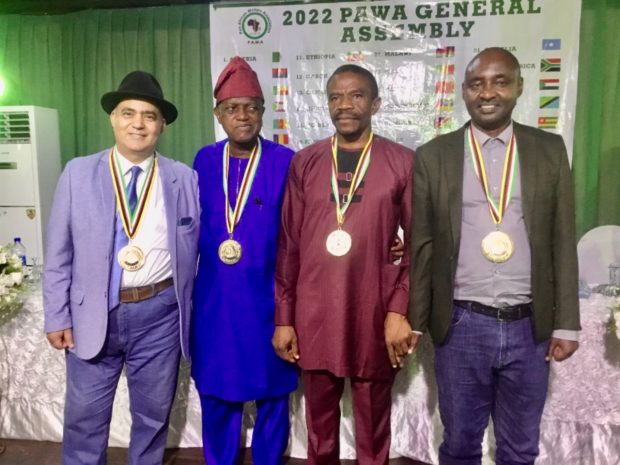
581 422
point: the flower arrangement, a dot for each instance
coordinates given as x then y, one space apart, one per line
11 277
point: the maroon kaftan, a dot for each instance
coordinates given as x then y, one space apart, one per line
338 304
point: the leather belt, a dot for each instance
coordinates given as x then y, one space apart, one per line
516 312
137 294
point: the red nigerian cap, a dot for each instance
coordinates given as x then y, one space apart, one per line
238 79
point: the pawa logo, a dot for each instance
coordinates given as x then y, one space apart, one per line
254 24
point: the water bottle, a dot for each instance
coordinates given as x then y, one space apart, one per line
19 250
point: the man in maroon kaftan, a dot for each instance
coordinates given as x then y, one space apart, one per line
340 310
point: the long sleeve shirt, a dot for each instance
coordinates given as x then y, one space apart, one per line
338 304
233 320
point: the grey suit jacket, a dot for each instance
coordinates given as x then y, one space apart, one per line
80 243
548 209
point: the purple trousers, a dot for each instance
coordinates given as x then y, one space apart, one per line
485 369
143 337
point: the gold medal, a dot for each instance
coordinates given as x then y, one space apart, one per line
131 258
229 251
497 247
338 243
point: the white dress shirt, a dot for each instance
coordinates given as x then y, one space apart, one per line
152 235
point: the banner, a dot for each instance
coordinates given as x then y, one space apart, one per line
417 50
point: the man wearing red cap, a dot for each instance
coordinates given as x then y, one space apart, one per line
341 304
241 182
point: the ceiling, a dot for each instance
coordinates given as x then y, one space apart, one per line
52 7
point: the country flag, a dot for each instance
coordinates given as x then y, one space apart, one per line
444 87
354 57
442 121
281 123
547 122
444 52
550 65
280 90
445 104
275 57
549 102
278 106
279 72
551 44
549 84
280 138
445 69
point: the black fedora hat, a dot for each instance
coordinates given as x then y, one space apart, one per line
140 85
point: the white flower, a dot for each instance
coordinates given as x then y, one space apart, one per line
14 260
11 276
5 280
16 278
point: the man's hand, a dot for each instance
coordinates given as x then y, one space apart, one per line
399 338
62 339
284 342
561 349
397 250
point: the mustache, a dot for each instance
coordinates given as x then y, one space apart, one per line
345 113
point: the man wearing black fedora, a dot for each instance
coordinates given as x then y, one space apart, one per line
119 269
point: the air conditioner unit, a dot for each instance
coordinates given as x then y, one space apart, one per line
29 171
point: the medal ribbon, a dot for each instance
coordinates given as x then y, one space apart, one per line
358 176
510 167
234 216
131 218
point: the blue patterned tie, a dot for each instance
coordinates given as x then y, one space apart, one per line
131 188
121 240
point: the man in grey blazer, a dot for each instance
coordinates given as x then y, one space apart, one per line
119 269
494 267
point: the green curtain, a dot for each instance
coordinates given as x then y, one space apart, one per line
596 152
68 61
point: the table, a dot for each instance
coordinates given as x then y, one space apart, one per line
581 421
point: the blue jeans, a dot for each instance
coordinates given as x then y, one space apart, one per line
490 368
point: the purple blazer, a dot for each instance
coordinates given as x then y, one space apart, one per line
80 241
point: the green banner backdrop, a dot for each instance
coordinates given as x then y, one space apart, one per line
596 150
68 61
